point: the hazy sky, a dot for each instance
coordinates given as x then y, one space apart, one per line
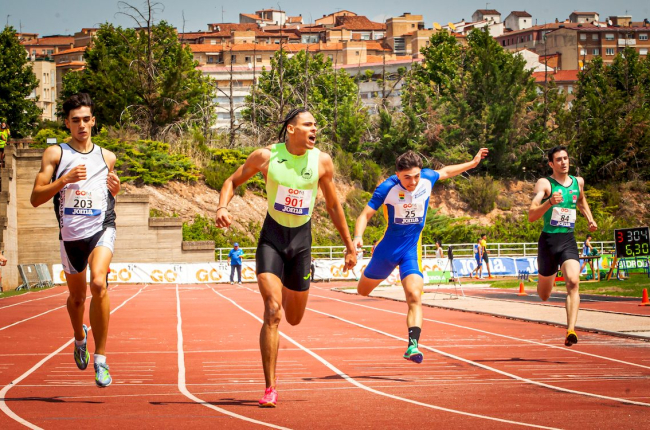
48 17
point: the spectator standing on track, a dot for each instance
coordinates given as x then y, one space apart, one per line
79 176
485 255
556 199
587 250
293 170
478 256
406 198
5 134
235 256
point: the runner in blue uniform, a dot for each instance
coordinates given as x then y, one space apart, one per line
405 197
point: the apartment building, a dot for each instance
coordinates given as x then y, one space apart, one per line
68 61
518 20
44 47
396 30
45 93
330 20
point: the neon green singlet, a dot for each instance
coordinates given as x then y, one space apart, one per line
561 218
292 185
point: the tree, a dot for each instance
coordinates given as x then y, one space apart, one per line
471 96
611 119
17 81
312 83
142 76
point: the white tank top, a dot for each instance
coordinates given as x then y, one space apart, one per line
86 207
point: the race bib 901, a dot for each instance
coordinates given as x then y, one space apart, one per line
82 202
563 217
292 201
409 213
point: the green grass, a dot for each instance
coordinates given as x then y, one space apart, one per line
12 293
632 287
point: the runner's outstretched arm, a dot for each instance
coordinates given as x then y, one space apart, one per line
583 206
456 169
333 205
256 162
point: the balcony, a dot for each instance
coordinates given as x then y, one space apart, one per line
626 42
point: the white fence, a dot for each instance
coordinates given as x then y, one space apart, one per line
528 249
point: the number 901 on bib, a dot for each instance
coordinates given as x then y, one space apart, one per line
292 201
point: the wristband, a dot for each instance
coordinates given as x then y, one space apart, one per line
222 207
356 237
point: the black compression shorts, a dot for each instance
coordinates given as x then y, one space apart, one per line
553 249
285 252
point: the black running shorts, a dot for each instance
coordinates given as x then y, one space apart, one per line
553 249
285 252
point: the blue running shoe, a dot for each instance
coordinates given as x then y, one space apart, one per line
413 353
102 375
81 355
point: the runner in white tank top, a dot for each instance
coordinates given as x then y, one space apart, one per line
79 176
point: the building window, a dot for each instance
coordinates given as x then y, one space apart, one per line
643 51
570 89
594 36
213 41
356 53
583 52
412 25
583 36
609 51
247 59
643 36
596 51
258 58
331 57
609 36
233 59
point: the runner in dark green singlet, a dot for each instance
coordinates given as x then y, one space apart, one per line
556 199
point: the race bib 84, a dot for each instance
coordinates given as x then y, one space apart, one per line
563 217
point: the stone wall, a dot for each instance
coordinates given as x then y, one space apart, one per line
31 235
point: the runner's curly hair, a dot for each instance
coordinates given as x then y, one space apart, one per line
408 160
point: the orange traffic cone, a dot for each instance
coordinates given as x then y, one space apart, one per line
644 299
522 292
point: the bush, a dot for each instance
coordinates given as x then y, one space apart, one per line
504 203
480 193
203 228
46 133
223 163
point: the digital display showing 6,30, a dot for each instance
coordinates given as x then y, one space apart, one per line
632 242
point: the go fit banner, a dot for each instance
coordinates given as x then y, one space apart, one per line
153 273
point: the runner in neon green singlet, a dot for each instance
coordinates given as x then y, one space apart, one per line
292 185
294 171
556 200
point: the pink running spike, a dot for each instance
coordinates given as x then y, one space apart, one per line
270 398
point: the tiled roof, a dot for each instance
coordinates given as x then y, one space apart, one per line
584 13
50 41
70 51
292 19
192 36
552 26
488 12
559 76
79 64
315 29
357 23
252 16
206 48
521 14
229 26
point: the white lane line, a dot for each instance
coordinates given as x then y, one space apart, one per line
381 393
32 300
30 318
570 350
3 405
491 369
181 375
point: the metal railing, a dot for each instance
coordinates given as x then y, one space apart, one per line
522 249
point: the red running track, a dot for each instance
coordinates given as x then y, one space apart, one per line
187 357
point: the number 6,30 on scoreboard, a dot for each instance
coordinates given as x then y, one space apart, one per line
632 242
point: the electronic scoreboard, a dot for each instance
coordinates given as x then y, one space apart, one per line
632 242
